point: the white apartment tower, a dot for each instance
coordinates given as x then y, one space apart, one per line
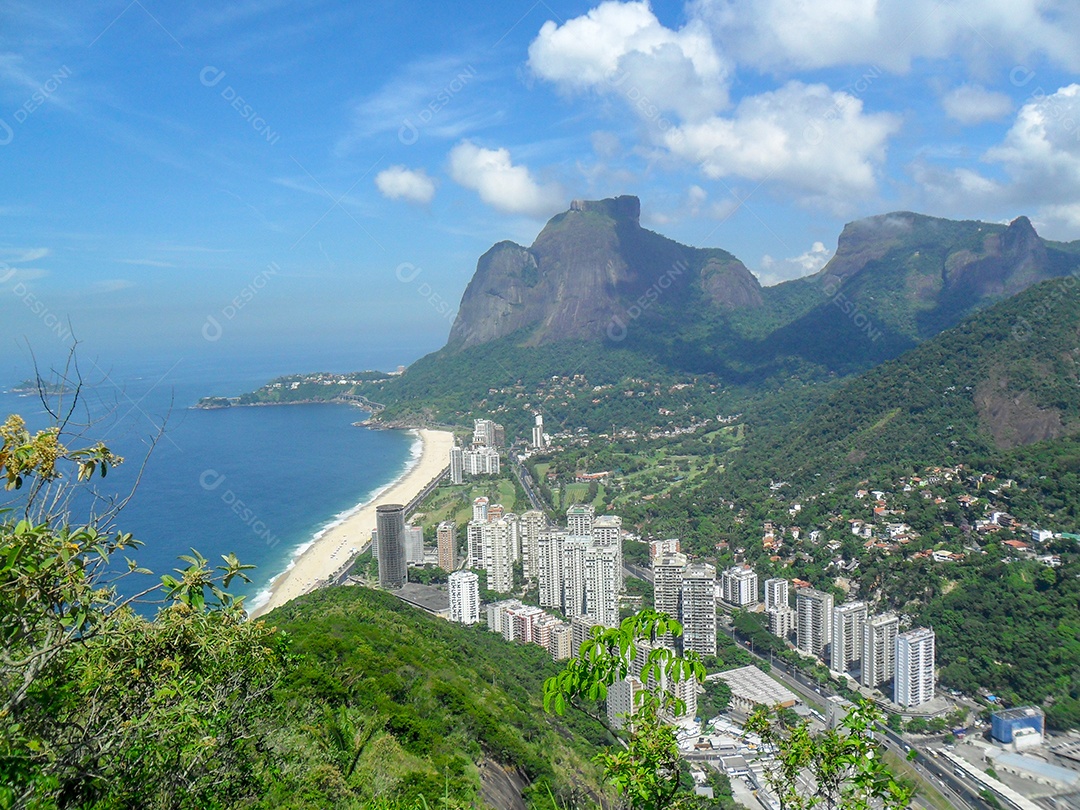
776 594
846 647
739 586
457 465
699 609
538 440
579 520
573 577
474 545
607 533
602 585
532 524
480 510
814 621
497 539
667 583
464 597
879 650
913 684
781 621
550 574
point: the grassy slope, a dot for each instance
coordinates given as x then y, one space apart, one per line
419 701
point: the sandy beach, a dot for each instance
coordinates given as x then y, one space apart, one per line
327 554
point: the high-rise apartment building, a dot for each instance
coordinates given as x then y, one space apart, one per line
532 524
667 583
913 683
480 509
846 647
474 546
538 440
464 597
781 621
414 544
457 465
579 520
496 538
879 650
814 621
776 594
390 524
699 609
550 562
602 585
446 540
573 576
481 461
607 533
739 586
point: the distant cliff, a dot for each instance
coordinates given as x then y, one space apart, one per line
584 275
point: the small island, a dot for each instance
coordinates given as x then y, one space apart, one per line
42 386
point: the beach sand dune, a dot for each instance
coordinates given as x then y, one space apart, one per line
327 554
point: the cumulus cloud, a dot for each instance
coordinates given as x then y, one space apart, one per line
622 49
400 183
807 136
500 183
785 34
774 271
1036 169
974 104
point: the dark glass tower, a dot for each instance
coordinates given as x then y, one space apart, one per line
390 523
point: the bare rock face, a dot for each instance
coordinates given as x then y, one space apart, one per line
588 267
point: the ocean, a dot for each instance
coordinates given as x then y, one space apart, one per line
260 482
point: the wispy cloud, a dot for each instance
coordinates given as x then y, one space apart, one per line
147 263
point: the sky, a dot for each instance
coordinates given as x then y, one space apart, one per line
308 176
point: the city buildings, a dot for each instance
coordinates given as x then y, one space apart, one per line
739 586
446 540
699 609
481 461
487 433
390 525
846 647
549 562
814 621
573 576
913 683
781 622
464 597
879 650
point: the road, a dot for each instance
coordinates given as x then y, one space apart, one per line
527 483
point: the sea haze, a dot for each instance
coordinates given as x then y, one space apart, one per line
259 482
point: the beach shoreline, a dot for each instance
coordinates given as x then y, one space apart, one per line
332 546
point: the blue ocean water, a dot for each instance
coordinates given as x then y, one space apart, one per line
259 482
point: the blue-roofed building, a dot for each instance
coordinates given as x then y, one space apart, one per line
1004 724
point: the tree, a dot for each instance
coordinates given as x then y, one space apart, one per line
647 771
99 706
843 767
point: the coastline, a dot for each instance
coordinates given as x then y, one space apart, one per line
334 544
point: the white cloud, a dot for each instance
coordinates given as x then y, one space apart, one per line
23 255
500 183
974 104
815 140
622 49
147 263
785 34
773 271
400 183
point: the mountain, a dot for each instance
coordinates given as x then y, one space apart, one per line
600 296
584 273
1006 378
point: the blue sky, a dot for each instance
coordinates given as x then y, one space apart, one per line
265 175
